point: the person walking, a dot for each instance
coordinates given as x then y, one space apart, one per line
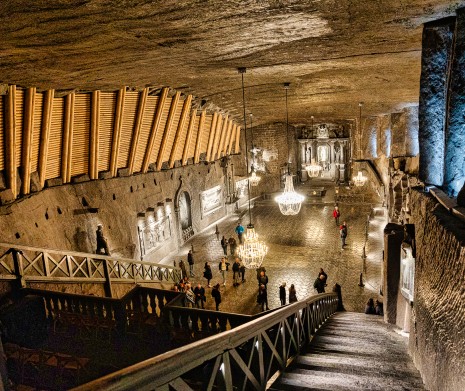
232 245
190 261
182 266
239 231
207 273
199 292
262 297
224 244
242 270
336 214
282 293
262 279
236 272
223 266
343 233
319 284
216 294
325 276
292 294
101 241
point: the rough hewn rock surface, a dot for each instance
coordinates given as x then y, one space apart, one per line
437 339
437 50
369 137
335 54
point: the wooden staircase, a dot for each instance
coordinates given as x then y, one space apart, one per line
352 351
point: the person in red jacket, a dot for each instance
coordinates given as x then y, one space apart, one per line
336 214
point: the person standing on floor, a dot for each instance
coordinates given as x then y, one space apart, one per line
101 241
262 297
325 276
224 244
182 266
336 214
207 273
236 272
319 284
262 279
343 232
232 245
199 292
282 293
239 231
223 266
242 270
292 294
216 294
190 261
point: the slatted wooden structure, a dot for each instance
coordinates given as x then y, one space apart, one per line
87 133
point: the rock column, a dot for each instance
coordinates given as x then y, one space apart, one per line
437 49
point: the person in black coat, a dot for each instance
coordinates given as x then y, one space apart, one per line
216 294
207 273
199 292
224 244
190 261
236 267
282 293
262 297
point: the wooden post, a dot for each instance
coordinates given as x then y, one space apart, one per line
188 140
119 112
45 135
28 124
216 140
107 283
169 122
66 156
200 131
94 135
137 126
185 110
18 264
212 135
10 140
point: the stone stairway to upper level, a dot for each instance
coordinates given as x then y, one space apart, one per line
352 351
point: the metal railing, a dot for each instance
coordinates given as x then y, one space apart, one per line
43 265
244 358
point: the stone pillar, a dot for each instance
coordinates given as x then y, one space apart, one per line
393 237
384 136
411 131
454 173
369 133
398 134
436 54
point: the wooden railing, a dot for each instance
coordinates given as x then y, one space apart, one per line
243 358
43 265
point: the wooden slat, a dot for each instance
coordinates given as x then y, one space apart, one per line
119 113
224 130
154 130
137 126
36 126
185 110
45 135
105 131
127 127
238 139
231 140
167 131
66 154
187 142
56 139
199 136
2 134
80 142
212 135
225 145
19 111
10 139
145 129
28 123
216 140
94 135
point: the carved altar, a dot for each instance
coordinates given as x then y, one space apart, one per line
328 146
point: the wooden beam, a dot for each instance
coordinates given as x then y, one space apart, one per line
154 129
238 139
185 110
188 140
224 144
200 131
119 112
219 129
166 133
45 134
222 137
66 154
10 140
212 135
231 140
137 126
28 125
94 135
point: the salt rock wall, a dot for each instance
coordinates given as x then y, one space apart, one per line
66 217
437 331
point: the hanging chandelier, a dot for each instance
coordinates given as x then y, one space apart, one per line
289 201
252 251
313 170
254 178
360 179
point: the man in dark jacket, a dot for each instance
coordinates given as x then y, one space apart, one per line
199 292
190 261
236 267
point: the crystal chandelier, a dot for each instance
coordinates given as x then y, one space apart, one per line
251 251
313 170
360 179
254 178
289 201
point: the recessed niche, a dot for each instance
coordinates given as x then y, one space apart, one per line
155 182
17 235
46 216
143 185
37 225
114 197
132 190
59 210
84 202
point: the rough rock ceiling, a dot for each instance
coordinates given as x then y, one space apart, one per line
334 53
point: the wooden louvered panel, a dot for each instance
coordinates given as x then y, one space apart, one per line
182 137
2 136
127 127
81 134
173 130
206 133
195 131
36 128
19 109
161 130
105 131
149 113
56 133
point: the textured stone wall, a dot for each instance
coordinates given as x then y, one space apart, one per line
66 217
411 131
384 135
436 53
437 339
369 138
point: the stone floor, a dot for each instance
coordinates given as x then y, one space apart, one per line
298 246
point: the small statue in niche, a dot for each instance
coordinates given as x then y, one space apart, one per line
337 152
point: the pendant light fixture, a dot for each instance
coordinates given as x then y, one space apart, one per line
254 178
360 179
252 251
289 201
